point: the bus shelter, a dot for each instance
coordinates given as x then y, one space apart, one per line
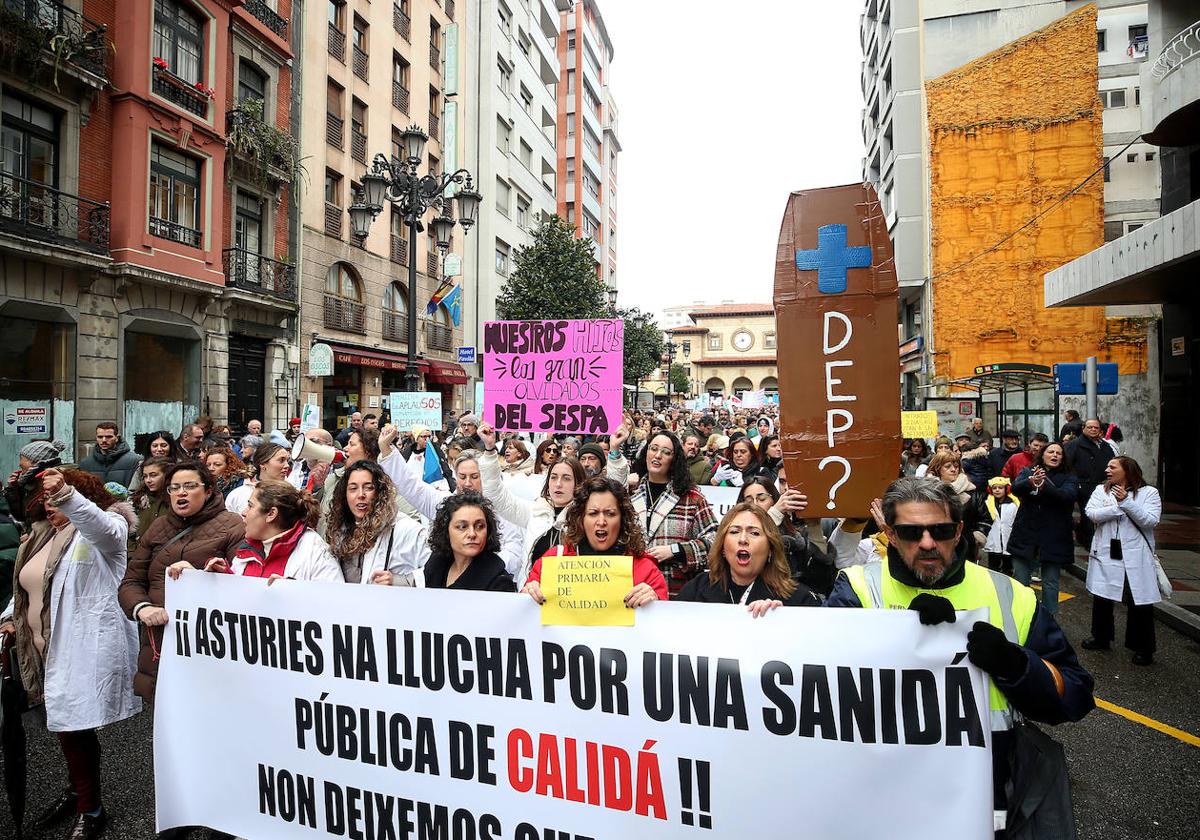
1024 394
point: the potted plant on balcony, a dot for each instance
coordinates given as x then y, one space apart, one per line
269 155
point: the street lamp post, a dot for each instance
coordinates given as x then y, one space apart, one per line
668 359
400 182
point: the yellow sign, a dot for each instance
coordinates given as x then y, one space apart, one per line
587 591
918 424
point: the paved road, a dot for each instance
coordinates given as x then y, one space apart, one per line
1130 781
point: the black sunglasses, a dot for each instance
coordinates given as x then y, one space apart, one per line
940 531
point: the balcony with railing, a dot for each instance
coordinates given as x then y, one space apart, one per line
268 16
261 275
345 314
361 62
358 145
399 252
395 326
400 97
1169 111
435 58
438 337
334 128
402 23
337 43
184 235
193 98
66 39
36 211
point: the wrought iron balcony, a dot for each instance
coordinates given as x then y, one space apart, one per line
175 232
28 208
345 314
361 63
255 273
272 20
180 92
395 326
337 43
400 97
402 23
399 250
68 35
438 337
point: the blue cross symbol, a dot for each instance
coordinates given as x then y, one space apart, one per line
832 258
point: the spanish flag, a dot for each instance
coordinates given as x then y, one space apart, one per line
439 295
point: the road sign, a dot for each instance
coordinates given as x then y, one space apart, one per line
1069 378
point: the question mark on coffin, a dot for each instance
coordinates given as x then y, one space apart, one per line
835 459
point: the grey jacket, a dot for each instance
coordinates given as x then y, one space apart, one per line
117 464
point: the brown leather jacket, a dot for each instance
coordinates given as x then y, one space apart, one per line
216 532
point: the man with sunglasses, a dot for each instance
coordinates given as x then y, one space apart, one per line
1032 666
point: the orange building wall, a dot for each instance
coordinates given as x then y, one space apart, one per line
1009 134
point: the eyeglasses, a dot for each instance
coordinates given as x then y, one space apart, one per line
940 531
664 451
186 488
550 449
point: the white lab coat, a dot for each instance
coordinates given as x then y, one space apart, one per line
410 551
426 499
310 560
1106 576
93 647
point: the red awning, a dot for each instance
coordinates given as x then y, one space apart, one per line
373 358
446 373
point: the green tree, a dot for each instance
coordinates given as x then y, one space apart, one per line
681 377
554 277
643 344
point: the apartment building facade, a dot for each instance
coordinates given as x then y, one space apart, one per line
588 143
377 68
907 43
130 282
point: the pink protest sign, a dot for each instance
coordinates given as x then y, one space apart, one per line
554 376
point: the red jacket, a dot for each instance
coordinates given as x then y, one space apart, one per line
1018 462
645 570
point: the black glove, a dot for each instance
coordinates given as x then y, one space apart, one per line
990 650
932 609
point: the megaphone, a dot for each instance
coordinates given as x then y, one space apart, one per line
308 450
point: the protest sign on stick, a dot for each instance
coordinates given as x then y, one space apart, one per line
835 312
554 376
322 715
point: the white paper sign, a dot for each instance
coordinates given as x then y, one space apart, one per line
416 408
325 710
720 499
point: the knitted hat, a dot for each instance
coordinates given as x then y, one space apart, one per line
591 449
468 418
295 421
41 451
999 481
117 490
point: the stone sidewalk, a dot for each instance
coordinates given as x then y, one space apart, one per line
1177 538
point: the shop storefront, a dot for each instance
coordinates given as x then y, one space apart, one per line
161 377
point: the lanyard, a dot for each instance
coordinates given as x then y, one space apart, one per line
745 595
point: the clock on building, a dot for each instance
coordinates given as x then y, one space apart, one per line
743 340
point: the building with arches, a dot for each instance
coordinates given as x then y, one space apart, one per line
140 260
731 348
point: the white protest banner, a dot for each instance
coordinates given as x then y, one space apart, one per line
416 408
720 499
327 710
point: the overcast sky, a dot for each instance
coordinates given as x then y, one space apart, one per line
698 218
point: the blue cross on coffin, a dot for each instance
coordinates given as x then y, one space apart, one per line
832 258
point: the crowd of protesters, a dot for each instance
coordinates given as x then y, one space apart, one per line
467 507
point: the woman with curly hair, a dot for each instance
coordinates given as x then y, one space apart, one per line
78 654
229 471
601 520
464 544
676 519
372 543
748 565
